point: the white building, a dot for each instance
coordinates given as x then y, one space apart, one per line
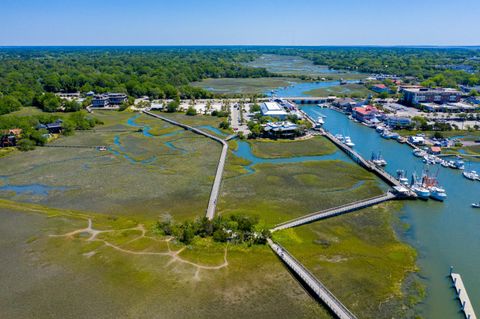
273 109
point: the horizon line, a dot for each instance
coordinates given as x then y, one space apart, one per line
245 45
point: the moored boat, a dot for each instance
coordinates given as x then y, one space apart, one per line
471 175
348 141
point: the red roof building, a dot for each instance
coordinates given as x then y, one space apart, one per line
364 113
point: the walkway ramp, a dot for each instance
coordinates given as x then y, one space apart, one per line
335 306
340 210
462 295
212 203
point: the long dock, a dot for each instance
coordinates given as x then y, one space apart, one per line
335 306
212 202
336 211
462 295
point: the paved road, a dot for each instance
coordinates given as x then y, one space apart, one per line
311 281
236 121
334 211
212 203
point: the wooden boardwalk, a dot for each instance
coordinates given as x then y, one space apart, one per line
335 306
462 295
336 211
212 203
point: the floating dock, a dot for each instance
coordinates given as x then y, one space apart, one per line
462 295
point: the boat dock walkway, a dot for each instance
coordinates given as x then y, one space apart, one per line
336 211
212 203
335 306
389 179
462 295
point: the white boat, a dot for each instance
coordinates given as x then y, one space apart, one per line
419 153
476 205
339 137
348 141
471 175
387 134
402 177
445 164
438 193
378 159
380 128
421 191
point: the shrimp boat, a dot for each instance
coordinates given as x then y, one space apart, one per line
402 177
348 141
378 159
418 188
430 182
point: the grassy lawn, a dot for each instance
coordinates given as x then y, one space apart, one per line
243 86
359 258
287 148
341 90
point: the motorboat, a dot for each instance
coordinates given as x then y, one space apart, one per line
339 137
459 164
419 152
348 141
476 205
471 175
402 139
386 134
380 128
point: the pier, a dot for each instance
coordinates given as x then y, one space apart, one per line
212 202
336 211
462 295
321 292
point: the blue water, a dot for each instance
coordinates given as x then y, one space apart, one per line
213 129
444 233
31 189
299 89
146 128
244 151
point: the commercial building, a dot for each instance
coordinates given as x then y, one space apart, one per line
281 130
364 113
417 96
381 88
110 99
450 107
273 109
398 122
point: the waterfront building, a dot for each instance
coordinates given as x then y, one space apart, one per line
381 88
345 103
398 122
416 96
273 109
281 130
365 113
450 107
417 140
110 99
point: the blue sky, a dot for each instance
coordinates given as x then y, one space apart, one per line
247 22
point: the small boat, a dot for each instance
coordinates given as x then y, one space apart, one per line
402 140
380 128
445 164
419 153
348 141
102 148
476 205
386 134
339 137
395 136
459 164
319 123
471 175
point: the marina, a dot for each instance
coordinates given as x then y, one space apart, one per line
454 222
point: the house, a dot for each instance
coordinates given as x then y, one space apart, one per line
364 113
52 128
273 109
415 96
281 130
381 88
345 103
398 122
9 138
